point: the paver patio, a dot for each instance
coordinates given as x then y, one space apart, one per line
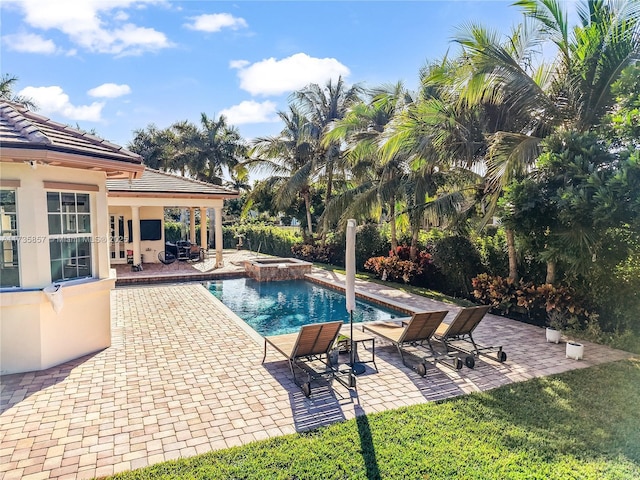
183 377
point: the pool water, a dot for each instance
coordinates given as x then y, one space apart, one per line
274 308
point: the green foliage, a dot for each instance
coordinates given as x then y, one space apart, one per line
458 260
369 243
492 247
623 127
580 424
268 239
173 231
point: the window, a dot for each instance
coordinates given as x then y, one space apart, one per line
69 235
9 264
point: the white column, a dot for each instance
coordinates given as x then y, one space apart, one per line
218 225
203 228
101 247
192 225
135 227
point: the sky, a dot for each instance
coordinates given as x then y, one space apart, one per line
114 66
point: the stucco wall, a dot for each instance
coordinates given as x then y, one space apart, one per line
33 335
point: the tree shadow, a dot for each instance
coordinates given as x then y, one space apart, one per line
16 387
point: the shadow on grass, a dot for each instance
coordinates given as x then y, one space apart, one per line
20 386
323 407
366 444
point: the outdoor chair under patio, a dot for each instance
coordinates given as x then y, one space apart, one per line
312 343
417 333
457 336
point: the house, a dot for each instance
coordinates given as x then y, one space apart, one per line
136 213
53 206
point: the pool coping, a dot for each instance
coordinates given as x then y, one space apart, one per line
370 297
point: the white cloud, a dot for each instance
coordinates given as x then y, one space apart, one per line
238 63
52 100
87 23
215 22
251 111
121 16
110 90
274 77
29 43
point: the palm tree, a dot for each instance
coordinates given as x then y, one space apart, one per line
7 83
441 138
158 148
376 184
571 93
289 158
321 107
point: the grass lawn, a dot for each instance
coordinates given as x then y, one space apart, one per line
584 424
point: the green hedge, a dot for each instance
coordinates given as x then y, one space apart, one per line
266 239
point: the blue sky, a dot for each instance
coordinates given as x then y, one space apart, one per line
120 65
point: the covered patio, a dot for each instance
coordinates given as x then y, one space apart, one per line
136 214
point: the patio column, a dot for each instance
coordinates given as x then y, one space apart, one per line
192 225
218 225
135 227
203 228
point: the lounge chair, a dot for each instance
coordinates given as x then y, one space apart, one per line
312 343
457 336
417 332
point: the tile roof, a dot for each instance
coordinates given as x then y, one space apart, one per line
23 129
155 181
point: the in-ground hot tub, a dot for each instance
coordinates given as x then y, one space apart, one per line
269 269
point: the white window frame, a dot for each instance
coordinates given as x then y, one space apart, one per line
70 237
13 237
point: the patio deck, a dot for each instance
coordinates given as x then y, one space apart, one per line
183 376
182 271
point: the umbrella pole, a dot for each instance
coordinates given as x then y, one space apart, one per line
357 368
351 354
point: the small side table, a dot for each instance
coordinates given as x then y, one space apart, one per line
360 337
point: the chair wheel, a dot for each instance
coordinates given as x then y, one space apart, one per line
421 368
306 389
502 356
470 361
459 364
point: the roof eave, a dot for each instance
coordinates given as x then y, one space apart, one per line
114 168
207 196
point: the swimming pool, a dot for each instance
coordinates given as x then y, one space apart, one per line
274 308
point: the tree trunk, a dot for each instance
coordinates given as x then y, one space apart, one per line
413 251
394 234
307 206
329 182
551 272
513 259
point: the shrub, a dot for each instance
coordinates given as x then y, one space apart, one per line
369 243
173 231
392 268
316 253
492 247
458 260
535 301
